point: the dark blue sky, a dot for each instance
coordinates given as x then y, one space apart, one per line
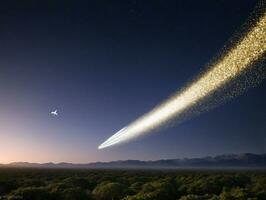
102 64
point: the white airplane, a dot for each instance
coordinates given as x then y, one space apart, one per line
54 113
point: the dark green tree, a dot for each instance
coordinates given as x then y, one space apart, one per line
108 191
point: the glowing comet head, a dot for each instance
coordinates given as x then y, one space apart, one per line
234 63
112 139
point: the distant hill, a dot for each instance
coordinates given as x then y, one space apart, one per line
246 160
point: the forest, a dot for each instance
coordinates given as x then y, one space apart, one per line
88 184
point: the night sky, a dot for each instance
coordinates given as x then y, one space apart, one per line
103 64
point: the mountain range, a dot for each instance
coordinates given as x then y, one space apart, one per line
246 160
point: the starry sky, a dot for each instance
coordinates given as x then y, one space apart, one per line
104 63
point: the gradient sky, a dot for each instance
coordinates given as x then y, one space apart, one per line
102 64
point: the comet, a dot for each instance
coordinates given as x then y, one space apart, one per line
230 74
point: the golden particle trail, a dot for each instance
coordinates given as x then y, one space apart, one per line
235 62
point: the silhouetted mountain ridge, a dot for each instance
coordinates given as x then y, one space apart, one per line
246 160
